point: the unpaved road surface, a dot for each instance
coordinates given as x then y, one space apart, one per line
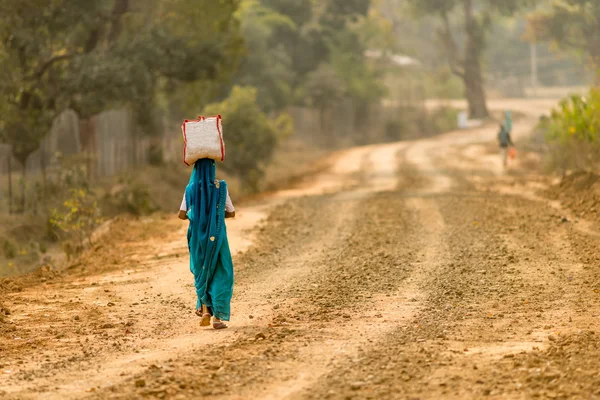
417 270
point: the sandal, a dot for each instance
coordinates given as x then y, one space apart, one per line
203 312
218 324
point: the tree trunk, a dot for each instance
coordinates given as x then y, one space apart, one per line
10 191
473 77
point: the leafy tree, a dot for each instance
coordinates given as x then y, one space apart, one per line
268 65
572 25
466 62
300 40
299 11
92 56
339 12
250 136
362 82
351 30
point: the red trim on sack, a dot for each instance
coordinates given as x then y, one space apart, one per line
184 141
219 119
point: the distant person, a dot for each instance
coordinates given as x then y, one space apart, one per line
206 204
505 142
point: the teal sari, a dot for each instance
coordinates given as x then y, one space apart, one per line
210 257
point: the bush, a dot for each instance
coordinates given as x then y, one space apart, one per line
75 221
443 119
10 249
573 133
250 136
577 118
135 199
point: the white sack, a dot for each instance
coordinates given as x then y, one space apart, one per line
203 138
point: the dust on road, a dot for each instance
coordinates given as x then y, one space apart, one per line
412 270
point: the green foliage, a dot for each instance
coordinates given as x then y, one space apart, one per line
134 198
290 41
504 7
577 118
9 248
74 222
339 12
300 11
251 137
444 119
267 66
93 56
324 87
572 134
362 82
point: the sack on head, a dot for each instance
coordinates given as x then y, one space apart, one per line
203 138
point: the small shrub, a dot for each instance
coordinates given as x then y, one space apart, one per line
76 220
10 249
134 199
573 133
577 118
444 119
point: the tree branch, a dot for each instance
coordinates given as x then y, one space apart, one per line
40 72
120 8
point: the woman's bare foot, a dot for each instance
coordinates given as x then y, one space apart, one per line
218 324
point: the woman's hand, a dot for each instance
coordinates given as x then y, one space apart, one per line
229 214
182 215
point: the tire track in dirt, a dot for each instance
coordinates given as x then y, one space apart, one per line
256 281
507 289
380 284
293 342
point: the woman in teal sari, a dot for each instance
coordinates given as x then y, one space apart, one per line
206 204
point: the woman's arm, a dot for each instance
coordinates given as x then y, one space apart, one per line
183 209
229 209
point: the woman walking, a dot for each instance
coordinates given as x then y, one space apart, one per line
206 204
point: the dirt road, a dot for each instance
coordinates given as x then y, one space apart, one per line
411 270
